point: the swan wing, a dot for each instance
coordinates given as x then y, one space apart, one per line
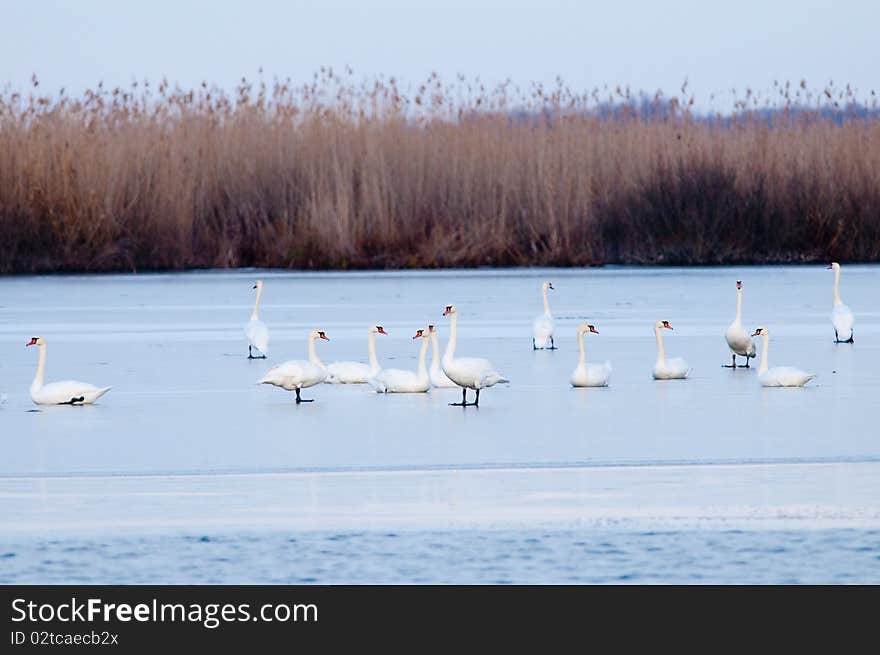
739 341
395 380
472 372
843 320
258 335
294 373
68 391
347 373
542 328
785 376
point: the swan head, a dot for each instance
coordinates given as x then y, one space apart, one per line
547 285
420 334
587 327
259 284
662 324
377 329
431 329
450 309
319 334
739 285
36 341
833 266
760 331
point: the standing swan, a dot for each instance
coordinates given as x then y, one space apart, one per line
778 376
439 379
69 392
737 338
542 328
355 372
299 374
589 375
466 372
667 369
256 331
841 316
395 380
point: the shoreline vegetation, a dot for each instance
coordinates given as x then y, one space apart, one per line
338 174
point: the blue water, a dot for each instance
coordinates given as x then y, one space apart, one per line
844 556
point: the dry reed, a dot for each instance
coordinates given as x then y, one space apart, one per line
334 174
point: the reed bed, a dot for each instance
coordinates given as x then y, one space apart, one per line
339 174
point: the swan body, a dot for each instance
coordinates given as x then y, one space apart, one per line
67 392
256 331
439 379
842 317
738 340
778 376
542 327
395 380
298 374
589 375
467 372
667 368
356 372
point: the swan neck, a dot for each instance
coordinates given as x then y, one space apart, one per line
435 352
661 353
837 286
255 315
313 355
546 302
374 361
453 337
765 347
739 306
583 356
41 369
423 352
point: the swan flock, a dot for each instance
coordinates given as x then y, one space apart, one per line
451 371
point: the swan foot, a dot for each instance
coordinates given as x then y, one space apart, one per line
732 364
251 354
850 340
303 400
74 400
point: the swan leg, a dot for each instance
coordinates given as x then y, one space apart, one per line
74 400
303 400
252 356
836 337
747 363
464 402
476 402
733 365
534 347
552 347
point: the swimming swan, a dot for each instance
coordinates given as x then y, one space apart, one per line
68 392
841 316
395 380
355 372
667 369
466 372
542 328
737 338
299 374
439 379
256 331
778 376
589 375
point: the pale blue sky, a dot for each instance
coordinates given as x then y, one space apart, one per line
648 44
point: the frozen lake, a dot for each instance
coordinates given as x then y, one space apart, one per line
186 446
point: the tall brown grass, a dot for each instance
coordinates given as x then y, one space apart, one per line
334 174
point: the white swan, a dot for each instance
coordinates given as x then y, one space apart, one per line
68 392
674 368
439 379
466 372
298 374
778 376
256 331
841 316
589 375
395 380
542 328
355 372
737 338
